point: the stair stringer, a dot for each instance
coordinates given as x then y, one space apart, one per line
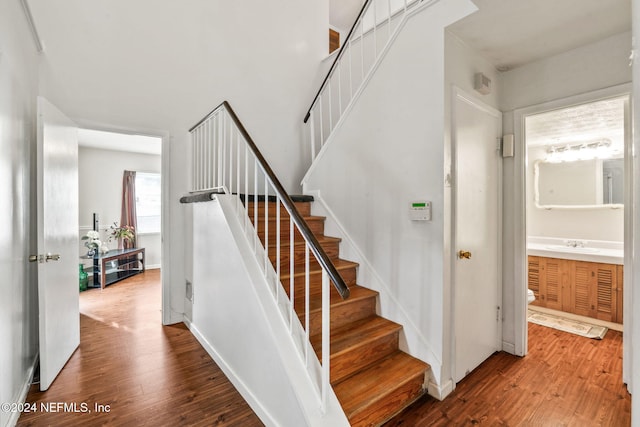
412 341
238 321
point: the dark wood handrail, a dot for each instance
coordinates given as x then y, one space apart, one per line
303 227
335 61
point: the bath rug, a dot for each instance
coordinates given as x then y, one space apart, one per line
567 325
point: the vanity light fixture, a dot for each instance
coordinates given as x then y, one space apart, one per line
600 149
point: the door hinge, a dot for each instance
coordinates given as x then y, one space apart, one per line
497 313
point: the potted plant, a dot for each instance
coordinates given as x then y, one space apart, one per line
122 234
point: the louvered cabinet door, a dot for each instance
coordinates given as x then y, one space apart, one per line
619 298
586 288
583 295
533 275
605 288
554 274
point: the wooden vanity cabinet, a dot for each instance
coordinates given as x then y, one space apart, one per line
586 288
548 279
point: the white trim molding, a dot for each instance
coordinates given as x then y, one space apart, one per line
24 390
520 209
440 392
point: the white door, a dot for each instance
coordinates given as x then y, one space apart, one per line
477 232
57 240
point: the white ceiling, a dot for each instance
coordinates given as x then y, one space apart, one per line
511 33
119 141
579 124
342 14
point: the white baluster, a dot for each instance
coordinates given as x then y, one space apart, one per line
246 187
292 287
278 262
266 223
255 206
325 339
238 173
350 71
219 150
231 132
339 71
306 302
312 128
330 107
223 155
321 121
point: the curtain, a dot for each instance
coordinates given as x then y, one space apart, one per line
128 214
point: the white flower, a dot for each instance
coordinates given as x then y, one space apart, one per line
93 235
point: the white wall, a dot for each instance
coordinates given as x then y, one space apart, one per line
100 191
18 292
397 126
159 67
595 66
587 223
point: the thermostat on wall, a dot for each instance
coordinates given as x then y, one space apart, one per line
420 211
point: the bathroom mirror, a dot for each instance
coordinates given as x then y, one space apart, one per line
579 183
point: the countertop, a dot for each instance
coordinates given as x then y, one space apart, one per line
585 250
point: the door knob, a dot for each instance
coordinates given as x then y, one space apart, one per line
34 258
52 257
464 254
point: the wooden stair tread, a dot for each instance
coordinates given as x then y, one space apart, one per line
373 384
315 299
356 333
371 377
340 264
272 218
299 242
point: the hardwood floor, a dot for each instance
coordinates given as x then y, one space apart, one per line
565 380
147 374
153 375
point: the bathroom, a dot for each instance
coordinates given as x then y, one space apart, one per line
575 216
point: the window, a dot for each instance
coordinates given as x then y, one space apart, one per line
148 202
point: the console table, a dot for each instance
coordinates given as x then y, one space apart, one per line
116 265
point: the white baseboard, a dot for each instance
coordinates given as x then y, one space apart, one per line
188 323
24 390
152 266
509 348
440 391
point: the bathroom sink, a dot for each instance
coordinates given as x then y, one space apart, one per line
577 249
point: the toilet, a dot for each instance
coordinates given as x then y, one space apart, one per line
530 296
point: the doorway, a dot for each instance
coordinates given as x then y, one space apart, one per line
104 155
103 160
565 222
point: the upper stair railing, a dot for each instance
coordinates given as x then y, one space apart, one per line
226 160
371 33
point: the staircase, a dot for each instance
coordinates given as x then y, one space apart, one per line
372 378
